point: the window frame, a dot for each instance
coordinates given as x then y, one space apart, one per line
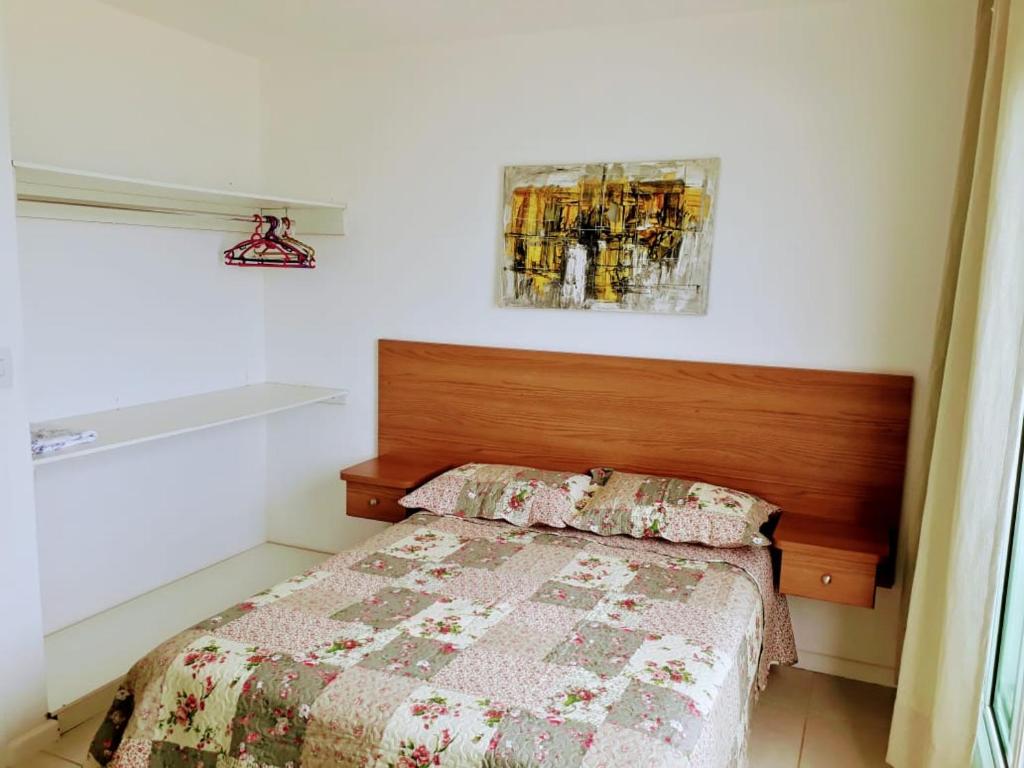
988 751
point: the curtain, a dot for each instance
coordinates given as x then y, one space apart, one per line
977 357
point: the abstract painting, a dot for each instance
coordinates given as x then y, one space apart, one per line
611 236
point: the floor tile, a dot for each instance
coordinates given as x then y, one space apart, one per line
43 760
75 743
844 743
788 688
836 697
775 738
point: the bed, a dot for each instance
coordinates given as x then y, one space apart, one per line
468 642
453 642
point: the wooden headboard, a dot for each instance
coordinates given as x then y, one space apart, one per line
829 444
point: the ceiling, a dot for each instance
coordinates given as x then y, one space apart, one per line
324 26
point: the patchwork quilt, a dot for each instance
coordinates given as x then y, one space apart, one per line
468 643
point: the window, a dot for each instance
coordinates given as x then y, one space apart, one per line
999 732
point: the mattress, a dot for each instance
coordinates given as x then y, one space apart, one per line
450 642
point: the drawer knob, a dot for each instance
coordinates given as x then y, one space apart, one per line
826 579
374 501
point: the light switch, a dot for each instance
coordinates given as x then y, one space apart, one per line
6 365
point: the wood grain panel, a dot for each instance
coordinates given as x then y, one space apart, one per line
401 472
375 503
828 444
826 577
815 535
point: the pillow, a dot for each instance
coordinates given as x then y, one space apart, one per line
645 506
520 495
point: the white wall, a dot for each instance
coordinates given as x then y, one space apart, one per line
119 315
23 703
99 89
838 128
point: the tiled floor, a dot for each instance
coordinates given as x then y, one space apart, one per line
815 721
803 720
70 751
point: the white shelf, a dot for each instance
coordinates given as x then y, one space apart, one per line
88 655
49 192
154 421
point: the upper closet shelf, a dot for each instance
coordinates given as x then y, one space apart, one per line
46 192
142 423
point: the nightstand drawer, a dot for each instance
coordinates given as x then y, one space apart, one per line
828 578
375 503
375 486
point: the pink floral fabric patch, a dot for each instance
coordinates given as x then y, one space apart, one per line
520 495
645 506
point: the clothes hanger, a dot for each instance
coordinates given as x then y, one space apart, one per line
283 240
236 254
288 238
277 237
267 248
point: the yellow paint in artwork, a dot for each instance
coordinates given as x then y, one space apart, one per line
542 258
606 271
535 261
534 205
544 219
693 203
617 234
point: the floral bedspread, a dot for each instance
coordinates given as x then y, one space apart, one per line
448 642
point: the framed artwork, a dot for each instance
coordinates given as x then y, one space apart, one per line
630 237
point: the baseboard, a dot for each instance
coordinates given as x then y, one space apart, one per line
87 707
848 668
35 739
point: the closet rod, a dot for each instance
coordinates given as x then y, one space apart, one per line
47 192
237 218
139 208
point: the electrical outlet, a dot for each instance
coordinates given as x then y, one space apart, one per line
6 368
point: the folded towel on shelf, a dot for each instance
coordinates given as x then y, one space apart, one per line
52 439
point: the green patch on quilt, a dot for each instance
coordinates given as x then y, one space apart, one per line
666 583
484 553
383 564
386 608
168 755
720 567
659 712
557 593
274 709
598 648
411 656
225 617
528 740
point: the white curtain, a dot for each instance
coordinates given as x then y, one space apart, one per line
978 355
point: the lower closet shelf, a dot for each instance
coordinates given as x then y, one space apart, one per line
85 656
137 424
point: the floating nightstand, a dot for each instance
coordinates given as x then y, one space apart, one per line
375 486
830 560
